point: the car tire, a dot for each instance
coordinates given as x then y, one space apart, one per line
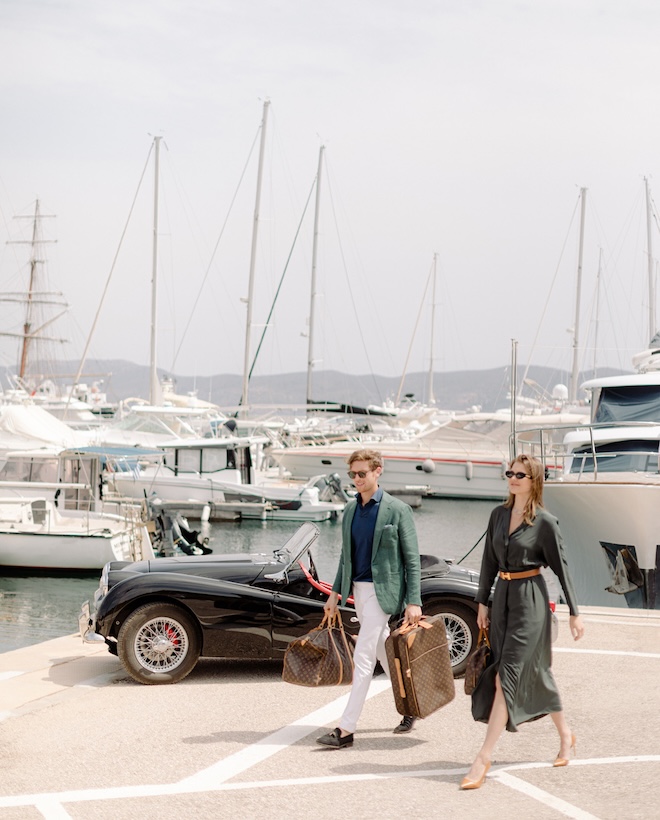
158 643
462 632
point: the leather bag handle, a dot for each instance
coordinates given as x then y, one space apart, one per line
408 626
483 638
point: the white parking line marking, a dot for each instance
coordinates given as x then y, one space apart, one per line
544 797
209 779
50 804
653 622
237 763
53 811
607 652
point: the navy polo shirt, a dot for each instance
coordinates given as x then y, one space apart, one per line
362 535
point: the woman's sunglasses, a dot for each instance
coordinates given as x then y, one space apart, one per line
511 474
359 474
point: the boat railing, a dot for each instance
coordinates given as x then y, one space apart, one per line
549 444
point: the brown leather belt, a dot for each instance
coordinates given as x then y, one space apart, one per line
513 576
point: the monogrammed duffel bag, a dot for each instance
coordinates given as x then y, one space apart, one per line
323 657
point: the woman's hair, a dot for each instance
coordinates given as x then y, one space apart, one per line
535 469
373 457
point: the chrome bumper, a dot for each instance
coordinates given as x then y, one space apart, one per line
87 625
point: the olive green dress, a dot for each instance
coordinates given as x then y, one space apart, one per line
520 621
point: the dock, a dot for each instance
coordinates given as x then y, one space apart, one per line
80 739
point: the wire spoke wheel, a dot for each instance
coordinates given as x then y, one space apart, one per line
461 626
161 645
459 638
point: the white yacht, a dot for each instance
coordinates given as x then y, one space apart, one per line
36 533
53 515
607 493
464 455
218 472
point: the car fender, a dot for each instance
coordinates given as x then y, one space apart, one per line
461 588
178 588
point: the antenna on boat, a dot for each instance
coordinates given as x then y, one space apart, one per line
597 311
514 391
576 327
649 250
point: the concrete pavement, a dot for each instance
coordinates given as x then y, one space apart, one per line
80 739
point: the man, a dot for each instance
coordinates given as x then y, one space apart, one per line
380 561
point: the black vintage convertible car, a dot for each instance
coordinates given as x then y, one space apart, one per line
160 616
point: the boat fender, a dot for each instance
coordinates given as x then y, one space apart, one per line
468 470
505 467
428 466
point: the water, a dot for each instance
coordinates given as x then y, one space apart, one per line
35 608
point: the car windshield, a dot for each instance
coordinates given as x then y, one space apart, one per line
301 540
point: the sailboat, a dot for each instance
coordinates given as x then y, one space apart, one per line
426 451
219 470
42 308
51 512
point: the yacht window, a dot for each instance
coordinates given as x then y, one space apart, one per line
632 403
29 469
618 457
44 470
214 459
188 461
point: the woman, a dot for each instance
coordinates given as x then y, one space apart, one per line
518 685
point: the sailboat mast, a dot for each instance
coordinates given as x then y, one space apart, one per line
513 446
253 259
576 328
649 251
27 326
153 374
312 304
598 278
431 398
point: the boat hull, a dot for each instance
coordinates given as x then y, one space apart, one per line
270 503
444 477
64 551
597 515
34 534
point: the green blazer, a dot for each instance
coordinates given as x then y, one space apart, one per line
395 564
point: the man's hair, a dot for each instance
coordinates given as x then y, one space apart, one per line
373 457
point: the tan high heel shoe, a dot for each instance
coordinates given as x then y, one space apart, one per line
466 783
563 761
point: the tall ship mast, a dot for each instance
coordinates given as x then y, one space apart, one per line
41 308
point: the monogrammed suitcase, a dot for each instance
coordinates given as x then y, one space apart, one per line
420 667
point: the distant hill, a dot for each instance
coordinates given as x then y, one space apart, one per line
458 390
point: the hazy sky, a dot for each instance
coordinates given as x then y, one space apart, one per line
460 128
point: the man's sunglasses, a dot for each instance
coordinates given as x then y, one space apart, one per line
519 476
359 474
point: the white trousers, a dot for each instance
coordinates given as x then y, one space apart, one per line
370 646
